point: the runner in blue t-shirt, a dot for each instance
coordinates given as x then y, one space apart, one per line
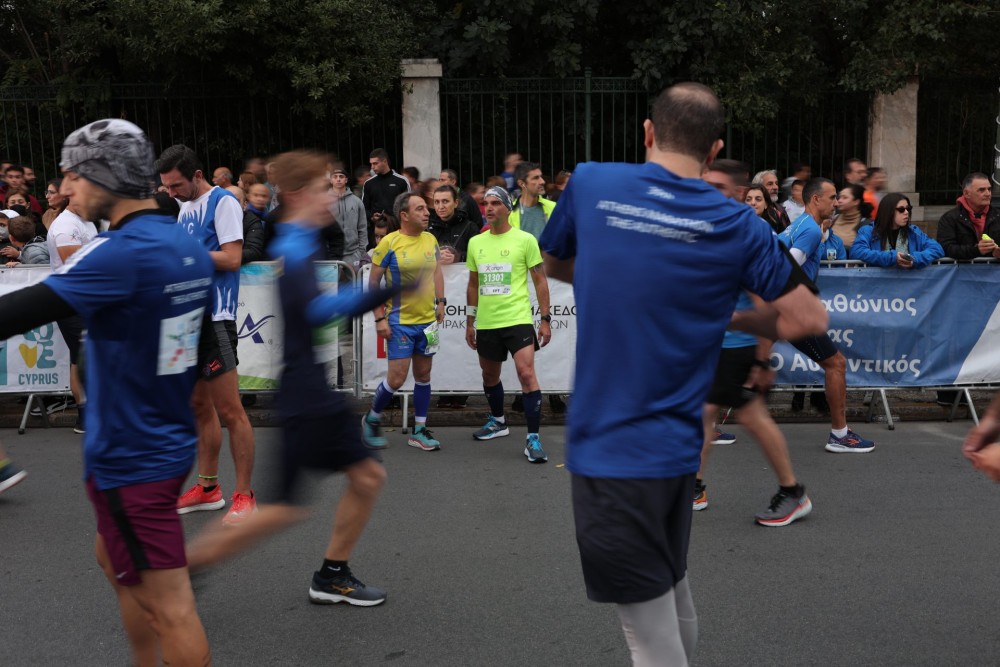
804 238
142 289
742 378
681 253
320 432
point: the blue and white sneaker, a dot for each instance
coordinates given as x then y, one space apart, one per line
533 450
10 475
492 429
371 432
721 438
852 443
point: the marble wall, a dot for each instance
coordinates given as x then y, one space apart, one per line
422 117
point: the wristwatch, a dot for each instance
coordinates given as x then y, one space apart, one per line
442 301
546 318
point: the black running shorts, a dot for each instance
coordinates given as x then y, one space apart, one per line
730 375
818 348
494 344
326 443
633 535
217 347
71 329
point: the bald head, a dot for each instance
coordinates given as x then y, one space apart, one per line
687 118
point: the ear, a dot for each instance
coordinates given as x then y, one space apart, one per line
649 136
198 174
713 152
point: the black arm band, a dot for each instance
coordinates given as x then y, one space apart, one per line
797 276
31 307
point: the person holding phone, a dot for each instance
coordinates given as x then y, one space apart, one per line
893 241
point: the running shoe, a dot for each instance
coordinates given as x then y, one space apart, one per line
371 432
79 427
492 429
533 450
10 475
240 508
51 407
723 438
700 496
422 438
784 509
196 500
344 589
852 443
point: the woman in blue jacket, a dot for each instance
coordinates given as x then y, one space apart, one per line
892 240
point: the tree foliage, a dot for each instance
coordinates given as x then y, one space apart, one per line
345 54
757 55
318 54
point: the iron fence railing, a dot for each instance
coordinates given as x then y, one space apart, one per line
956 133
224 125
561 122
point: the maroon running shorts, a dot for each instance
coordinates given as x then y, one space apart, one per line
140 527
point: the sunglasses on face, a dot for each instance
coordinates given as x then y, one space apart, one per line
904 209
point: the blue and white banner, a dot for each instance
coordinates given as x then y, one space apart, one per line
260 326
37 361
934 326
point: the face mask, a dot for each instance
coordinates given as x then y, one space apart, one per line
4 233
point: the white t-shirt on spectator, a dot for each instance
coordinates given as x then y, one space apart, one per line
68 229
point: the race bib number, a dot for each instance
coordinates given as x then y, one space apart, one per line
179 342
494 279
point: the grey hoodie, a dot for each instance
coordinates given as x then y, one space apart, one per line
350 215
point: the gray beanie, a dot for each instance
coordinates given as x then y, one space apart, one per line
114 154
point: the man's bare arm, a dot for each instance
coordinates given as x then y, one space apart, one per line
796 314
560 269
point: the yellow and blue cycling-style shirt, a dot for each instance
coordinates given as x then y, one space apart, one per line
404 259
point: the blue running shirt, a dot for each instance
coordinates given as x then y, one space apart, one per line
660 262
805 235
142 290
216 218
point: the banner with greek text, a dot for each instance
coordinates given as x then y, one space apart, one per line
934 326
456 365
37 361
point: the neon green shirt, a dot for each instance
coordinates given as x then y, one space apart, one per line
502 262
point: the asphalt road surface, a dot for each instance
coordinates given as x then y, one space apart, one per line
897 565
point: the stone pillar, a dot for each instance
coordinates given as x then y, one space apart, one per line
421 117
893 140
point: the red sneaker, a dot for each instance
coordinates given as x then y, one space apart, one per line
240 509
196 500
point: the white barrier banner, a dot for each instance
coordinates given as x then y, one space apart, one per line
260 326
456 365
37 361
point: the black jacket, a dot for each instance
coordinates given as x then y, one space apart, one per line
471 208
253 238
380 192
455 232
958 237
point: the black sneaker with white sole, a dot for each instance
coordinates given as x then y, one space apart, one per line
51 407
344 589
